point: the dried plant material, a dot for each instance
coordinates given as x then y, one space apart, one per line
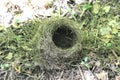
102 75
89 75
117 78
61 40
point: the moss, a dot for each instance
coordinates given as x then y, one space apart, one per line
17 41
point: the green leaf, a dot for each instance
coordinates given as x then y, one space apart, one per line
86 7
82 62
104 31
4 66
108 44
114 31
106 9
26 48
86 59
9 56
117 26
15 22
2 28
18 38
112 23
87 65
17 19
119 34
96 8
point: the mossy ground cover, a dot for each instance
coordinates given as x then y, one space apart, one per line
100 40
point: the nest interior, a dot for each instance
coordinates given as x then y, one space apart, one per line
64 37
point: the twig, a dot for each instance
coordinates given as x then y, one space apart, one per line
3 74
81 73
114 54
60 75
41 76
59 8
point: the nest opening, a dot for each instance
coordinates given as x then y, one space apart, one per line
64 37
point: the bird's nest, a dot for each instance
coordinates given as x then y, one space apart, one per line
60 42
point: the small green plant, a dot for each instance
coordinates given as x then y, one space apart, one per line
85 62
86 7
4 66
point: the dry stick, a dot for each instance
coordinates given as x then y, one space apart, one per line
72 75
5 74
114 54
59 8
60 75
81 73
41 76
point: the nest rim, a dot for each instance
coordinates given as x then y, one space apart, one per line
56 23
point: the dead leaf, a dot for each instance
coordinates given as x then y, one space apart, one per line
117 78
102 75
89 75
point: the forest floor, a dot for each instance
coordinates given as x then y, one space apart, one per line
100 18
